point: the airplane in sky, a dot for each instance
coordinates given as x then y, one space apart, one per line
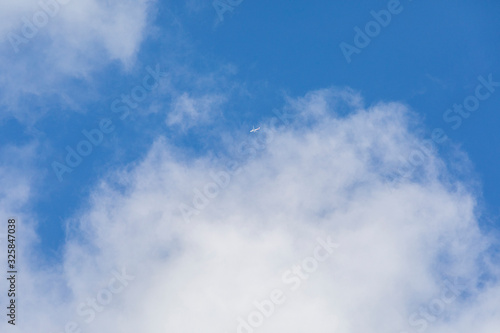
254 129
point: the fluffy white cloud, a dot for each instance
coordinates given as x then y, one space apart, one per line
78 27
48 43
408 255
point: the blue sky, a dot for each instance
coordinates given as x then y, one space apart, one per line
213 80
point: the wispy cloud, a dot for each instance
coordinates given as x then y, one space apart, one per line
188 111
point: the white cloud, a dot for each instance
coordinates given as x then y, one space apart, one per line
47 44
399 241
77 27
188 111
